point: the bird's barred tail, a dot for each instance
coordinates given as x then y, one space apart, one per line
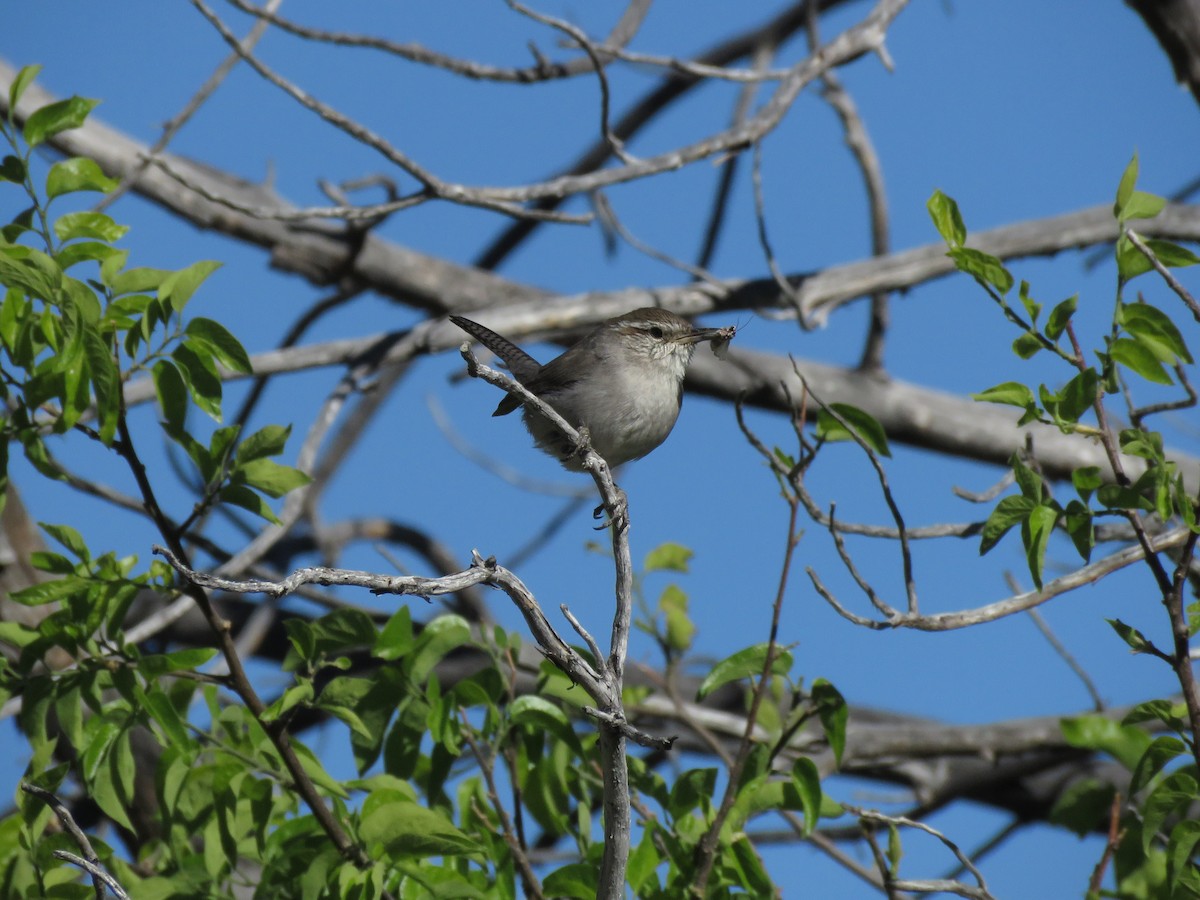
521 364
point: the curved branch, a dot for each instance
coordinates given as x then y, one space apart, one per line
622 33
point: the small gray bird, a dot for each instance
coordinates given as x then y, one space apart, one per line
623 382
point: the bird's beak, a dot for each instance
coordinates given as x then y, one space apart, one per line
720 338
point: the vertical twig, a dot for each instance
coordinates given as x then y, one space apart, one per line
706 849
864 154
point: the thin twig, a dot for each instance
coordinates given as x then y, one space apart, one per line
706 848
910 585
762 55
962 890
1162 270
625 29
863 151
948 621
533 886
89 862
1060 648
198 99
598 65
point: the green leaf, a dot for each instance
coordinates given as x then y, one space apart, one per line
343 629
438 638
13 169
983 266
1027 345
50 592
17 634
1135 639
1032 307
1171 255
108 788
864 424
200 376
157 664
1138 358
77 174
19 84
1181 847
106 383
1084 806
807 782
640 872
1131 262
1125 743
1175 792
178 287
1125 187
1078 522
347 714
1036 533
405 829
1146 444
745 663
895 850
574 881
947 219
1056 324
1009 511
270 477
1028 480
1155 330
31 271
55 563
57 117
542 715
691 789
1162 750
172 395
668 557
69 538
1076 398
84 224
1011 393
221 343
240 495
749 870
1142 206
395 641
681 630
299 694
84 251
833 713
134 281
267 441
162 711
1118 496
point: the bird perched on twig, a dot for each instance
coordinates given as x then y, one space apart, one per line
622 382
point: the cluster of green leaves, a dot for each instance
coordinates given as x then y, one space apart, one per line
685 809
1158 832
1143 340
76 324
1156 856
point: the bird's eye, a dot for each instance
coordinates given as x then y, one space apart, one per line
656 333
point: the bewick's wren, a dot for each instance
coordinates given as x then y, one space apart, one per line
623 382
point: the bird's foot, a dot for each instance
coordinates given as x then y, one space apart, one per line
618 515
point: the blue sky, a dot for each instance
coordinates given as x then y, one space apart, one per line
1019 109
